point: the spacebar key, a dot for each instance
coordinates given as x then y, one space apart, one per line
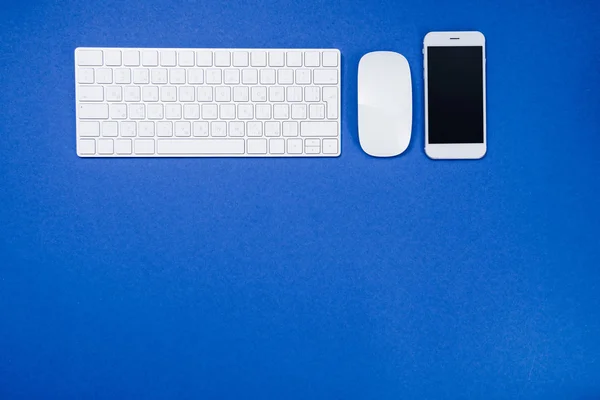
200 146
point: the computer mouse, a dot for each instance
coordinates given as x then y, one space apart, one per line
384 103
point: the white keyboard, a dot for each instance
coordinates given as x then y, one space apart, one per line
207 102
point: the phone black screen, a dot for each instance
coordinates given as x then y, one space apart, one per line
455 94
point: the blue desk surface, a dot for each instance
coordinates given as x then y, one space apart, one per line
347 278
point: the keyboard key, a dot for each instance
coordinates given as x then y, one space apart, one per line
303 76
276 146
254 128
93 111
146 129
249 76
236 129
330 146
312 150
312 93
204 58
186 93
263 111
204 94
144 146
137 111
183 129
122 75
105 147
294 59
200 147
218 129
231 77
150 93
177 76
85 75
267 76
104 75
173 111
330 59
316 111
245 111
258 59
294 93
90 93
298 111
87 147
158 76
222 59
311 58
155 111
227 111
164 129
149 58
195 76
89 128
200 129
281 111
213 76
89 57
326 128
290 128
123 146
285 76
191 111
209 111
131 58
113 93
272 128
257 146
128 129
168 58
276 59
118 111
240 58
276 94
168 93
325 77
240 93
294 146
222 93
132 93
141 76
330 96
258 93
112 58
110 128
187 59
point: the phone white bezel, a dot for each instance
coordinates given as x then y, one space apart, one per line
458 150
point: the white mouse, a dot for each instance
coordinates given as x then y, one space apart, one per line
384 103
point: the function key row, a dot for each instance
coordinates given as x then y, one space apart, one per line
206 58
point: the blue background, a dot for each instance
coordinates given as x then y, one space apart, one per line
344 278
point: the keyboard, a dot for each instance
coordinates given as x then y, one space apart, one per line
144 102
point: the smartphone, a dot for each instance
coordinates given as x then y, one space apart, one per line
455 115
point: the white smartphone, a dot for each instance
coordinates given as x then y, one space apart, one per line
455 115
